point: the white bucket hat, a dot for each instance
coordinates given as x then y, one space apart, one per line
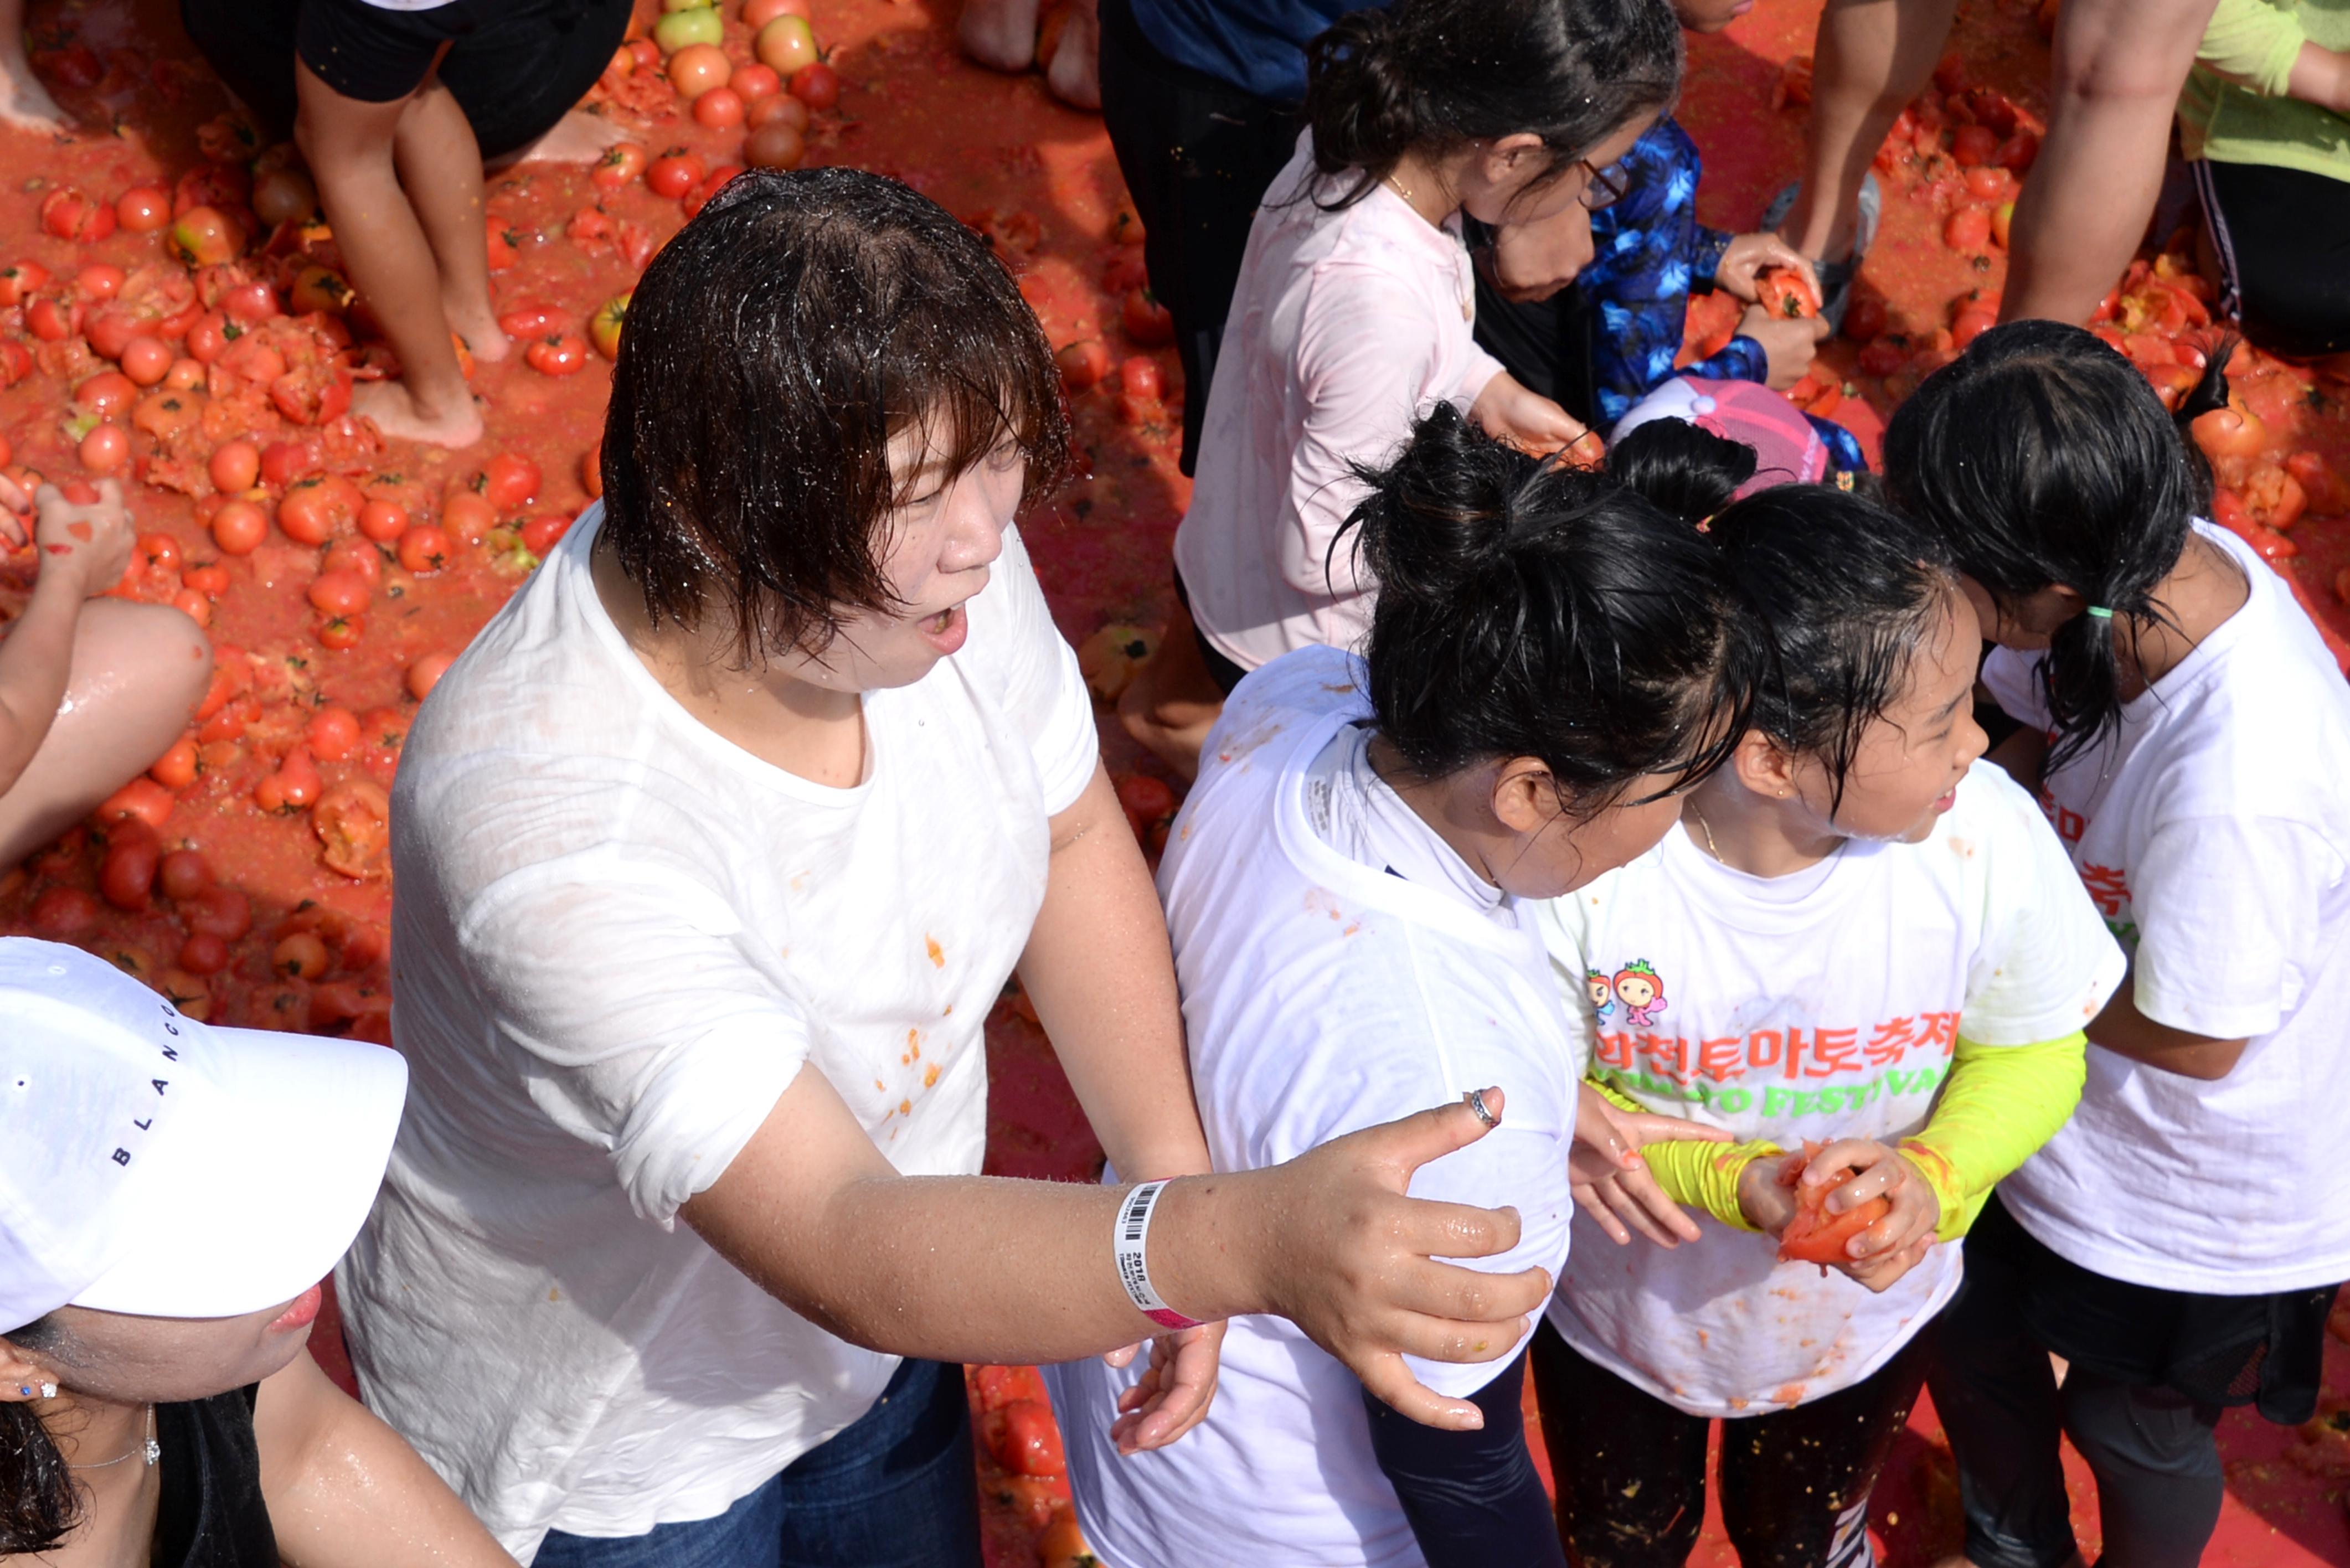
153 1165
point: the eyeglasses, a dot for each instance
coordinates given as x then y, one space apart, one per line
1600 188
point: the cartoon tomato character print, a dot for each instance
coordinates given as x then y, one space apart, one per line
1642 992
1603 994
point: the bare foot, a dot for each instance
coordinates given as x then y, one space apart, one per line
1000 34
476 322
25 103
578 138
396 412
1074 73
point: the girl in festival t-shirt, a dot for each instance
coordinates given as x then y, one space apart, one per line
1874 957
2179 1243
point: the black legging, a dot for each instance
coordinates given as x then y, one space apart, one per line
2283 241
1794 1483
514 66
1474 1498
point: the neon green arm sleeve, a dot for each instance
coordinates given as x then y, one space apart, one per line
1998 1105
1697 1175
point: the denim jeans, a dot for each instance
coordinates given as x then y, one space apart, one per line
894 1489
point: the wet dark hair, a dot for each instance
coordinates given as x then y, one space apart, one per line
1435 74
39 1505
2042 457
773 347
1689 472
1526 609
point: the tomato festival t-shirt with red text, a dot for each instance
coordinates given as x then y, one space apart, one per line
1822 1004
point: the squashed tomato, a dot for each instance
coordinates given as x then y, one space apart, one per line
1785 292
1814 1235
1026 1440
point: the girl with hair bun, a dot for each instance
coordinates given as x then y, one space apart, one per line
1355 305
2180 1242
1552 663
1878 973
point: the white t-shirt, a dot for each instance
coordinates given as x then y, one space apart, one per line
1344 327
2213 834
1323 994
1822 1004
617 938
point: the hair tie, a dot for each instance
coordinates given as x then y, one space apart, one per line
2101 612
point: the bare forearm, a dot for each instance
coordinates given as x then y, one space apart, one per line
2122 1029
2321 76
1098 970
36 662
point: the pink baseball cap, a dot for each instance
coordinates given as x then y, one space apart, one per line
1787 449
154 1164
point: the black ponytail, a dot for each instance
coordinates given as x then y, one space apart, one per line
2042 458
38 1504
1526 609
1689 472
1436 74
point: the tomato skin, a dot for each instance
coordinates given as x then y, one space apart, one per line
2231 431
175 769
621 163
203 953
816 85
591 469
776 145
338 594
557 354
1145 320
208 340
63 912
182 874
1814 1235
383 521
21 282
159 552
1063 1545
99 280
425 549
211 577
1969 229
1084 363
510 479
675 173
105 449
239 527
316 508
1026 1441
426 673
126 877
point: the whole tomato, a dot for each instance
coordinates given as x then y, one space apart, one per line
426 673
786 45
816 85
604 327
127 876
341 631
543 533
99 280
356 555
719 108
1084 363
510 479
425 549
752 82
675 173
383 521
1969 229
239 527
2231 431
205 236
698 68
557 354
622 163
1140 376
284 196
183 873
776 145
339 593
316 508
176 768
529 319
222 913
20 282
106 394
251 304
61 912
693 201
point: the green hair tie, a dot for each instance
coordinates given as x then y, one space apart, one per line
2101 612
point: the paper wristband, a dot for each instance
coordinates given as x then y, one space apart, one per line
1129 1238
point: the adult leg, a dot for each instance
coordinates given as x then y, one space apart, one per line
351 144
999 33
2119 64
2282 238
745 1536
440 168
139 671
896 1489
1630 1469
1870 58
2156 1461
1996 1394
1795 1483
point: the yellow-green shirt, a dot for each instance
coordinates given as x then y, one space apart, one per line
2256 42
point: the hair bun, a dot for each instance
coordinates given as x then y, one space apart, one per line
1440 516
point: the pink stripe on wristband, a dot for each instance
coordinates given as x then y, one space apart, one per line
1127 1241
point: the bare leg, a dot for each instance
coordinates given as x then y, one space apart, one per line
2119 65
349 145
578 138
1871 57
440 166
1173 701
24 101
1074 73
139 671
999 33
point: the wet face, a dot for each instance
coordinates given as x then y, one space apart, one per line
1551 853
940 542
1905 772
134 1360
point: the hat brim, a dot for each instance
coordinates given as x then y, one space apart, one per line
268 1185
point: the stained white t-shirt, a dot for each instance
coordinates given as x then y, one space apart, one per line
1345 324
2213 834
618 939
1823 1005
1324 993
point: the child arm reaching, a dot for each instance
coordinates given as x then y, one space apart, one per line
2262 47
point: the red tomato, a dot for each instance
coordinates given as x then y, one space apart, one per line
205 236
146 360
141 799
719 108
301 956
1140 376
1083 363
283 461
529 319
541 533
778 105
52 320
1866 318
510 480
1814 1235
1971 146
1026 1441
557 354
332 733
591 469
106 394
158 552
208 338
383 521
714 181
21 282
2229 432
1987 181
1972 322
776 145
211 577
316 508
203 953
425 549
698 68
69 214
182 874
224 185
1063 1545
675 173
175 769
752 82
239 527
2018 153
341 631
354 555
468 517
185 375
784 44
105 449
222 913
426 673
284 196
1147 802
816 85
622 163
99 280
251 303
340 594
1784 292
2328 496
1145 320
1969 229
143 209
127 876
194 606
64 912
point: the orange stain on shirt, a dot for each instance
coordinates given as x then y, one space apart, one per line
937 953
